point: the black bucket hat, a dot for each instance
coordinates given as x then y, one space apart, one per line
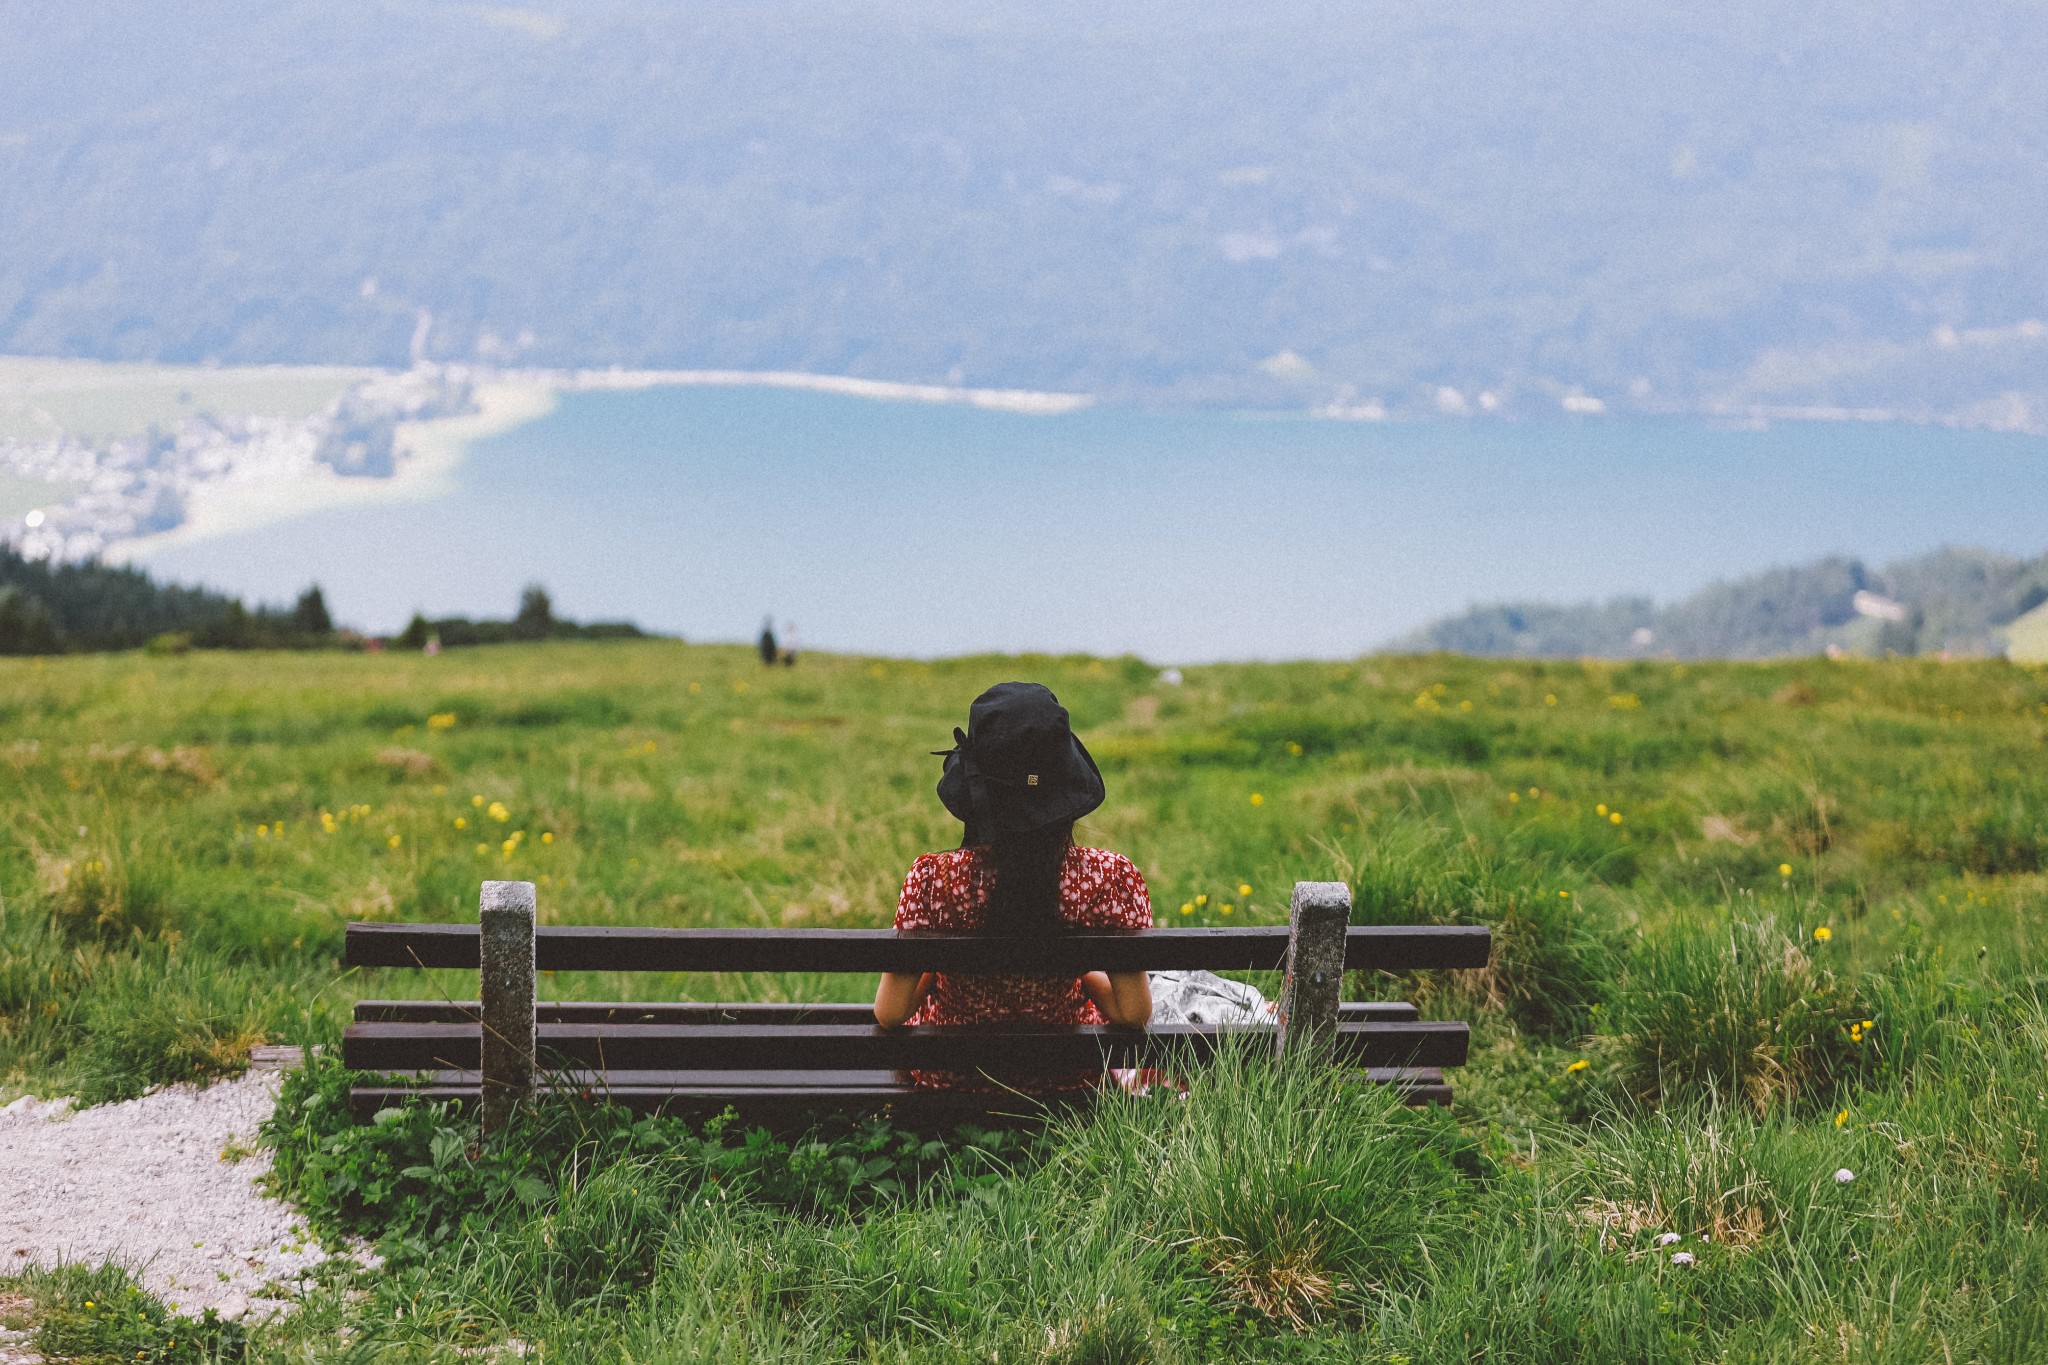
1018 768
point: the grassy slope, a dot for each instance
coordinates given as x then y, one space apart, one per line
151 932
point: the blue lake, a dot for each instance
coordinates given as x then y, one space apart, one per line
914 529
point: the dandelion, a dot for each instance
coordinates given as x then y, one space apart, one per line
263 831
1666 1239
1225 908
1464 706
547 836
393 842
476 801
1244 888
498 812
1841 1118
1578 1066
1187 907
1600 809
483 849
508 846
1293 748
1258 799
1844 1176
1514 796
1564 895
1784 869
1202 899
462 822
1535 792
1614 817
1822 934
1550 698
444 720
1681 1258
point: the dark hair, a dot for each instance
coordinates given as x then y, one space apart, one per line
1026 896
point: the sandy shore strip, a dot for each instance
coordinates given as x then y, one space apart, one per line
428 454
1026 401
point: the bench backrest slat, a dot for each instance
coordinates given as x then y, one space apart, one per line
568 948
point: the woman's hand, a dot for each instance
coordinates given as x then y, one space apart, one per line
899 995
1125 998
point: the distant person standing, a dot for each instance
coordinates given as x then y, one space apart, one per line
770 651
789 644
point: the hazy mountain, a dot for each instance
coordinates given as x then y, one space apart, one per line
1497 204
1953 599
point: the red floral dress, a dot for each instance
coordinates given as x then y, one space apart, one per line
949 891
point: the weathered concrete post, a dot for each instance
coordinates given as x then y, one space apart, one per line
505 914
1316 925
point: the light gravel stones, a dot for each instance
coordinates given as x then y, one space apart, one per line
144 1184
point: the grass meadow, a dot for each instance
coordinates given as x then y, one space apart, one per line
1758 927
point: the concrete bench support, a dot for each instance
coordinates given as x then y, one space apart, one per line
1318 922
505 914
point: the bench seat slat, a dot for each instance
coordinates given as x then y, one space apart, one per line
771 1094
748 1047
606 948
718 1012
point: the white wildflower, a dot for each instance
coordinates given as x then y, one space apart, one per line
1667 1239
1844 1176
1681 1258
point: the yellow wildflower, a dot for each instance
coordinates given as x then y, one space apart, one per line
1841 1118
1244 888
1579 1065
1514 796
1550 698
462 822
1823 934
1187 908
498 812
477 801
1293 748
1226 907
483 848
394 841
444 720
1464 706
547 837
1564 895
1614 817
1600 809
1257 799
1784 869
1202 899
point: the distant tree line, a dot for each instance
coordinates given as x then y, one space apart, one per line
83 607
536 620
1953 600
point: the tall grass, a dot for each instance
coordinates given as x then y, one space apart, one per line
1663 1045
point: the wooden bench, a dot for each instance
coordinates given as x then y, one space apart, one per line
781 1061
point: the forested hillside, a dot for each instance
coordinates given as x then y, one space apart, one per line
1954 600
1487 207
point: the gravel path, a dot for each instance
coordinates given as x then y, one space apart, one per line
144 1184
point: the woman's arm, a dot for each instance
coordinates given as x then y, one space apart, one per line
1124 998
899 995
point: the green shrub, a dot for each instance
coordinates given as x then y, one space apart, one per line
1739 1010
1303 1196
98 1316
1554 956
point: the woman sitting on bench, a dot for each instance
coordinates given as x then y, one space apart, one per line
1018 778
